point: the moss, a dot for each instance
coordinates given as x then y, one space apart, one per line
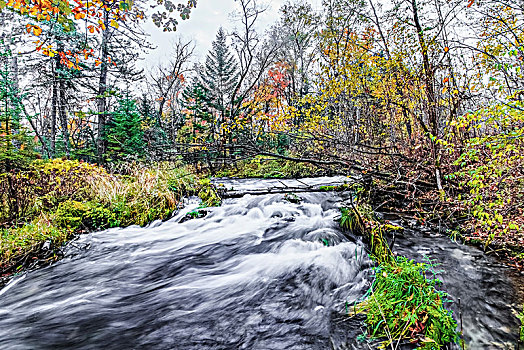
337 188
100 218
292 198
208 194
392 228
18 242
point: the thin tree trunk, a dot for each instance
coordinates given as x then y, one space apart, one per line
54 101
63 116
430 94
102 89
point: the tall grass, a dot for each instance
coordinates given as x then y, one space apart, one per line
404 304
55 199
145 194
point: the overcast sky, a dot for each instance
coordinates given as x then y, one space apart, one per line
205 21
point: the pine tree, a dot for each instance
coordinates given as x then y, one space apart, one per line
124 134
16 148
219 76
154 135
199 117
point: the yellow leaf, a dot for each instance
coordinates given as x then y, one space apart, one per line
114 23
37 30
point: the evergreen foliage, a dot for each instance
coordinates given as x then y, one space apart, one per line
125 135
16 148
203 122
219 76
155 136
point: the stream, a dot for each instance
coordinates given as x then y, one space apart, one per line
252 274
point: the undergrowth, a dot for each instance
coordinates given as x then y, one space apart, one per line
53 200
403 302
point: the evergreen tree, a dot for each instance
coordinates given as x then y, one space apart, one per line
196 102
154 135
219 76
124 134
16 149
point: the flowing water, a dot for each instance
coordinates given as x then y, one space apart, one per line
253 274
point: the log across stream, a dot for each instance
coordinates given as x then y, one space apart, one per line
252 274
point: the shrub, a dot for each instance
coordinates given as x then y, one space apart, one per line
44 186
71 214
264 167
76 215
101 218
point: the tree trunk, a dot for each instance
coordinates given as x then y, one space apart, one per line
102 89
429 78
54 101
63 116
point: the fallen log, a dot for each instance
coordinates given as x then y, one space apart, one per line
334 187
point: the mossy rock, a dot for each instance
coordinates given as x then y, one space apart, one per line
89 215
208 195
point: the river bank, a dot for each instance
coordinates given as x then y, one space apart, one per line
51 203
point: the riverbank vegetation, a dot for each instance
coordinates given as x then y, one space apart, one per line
386 94
271 167
50 202
405 305
403 302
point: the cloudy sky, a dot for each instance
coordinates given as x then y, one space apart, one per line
201 28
